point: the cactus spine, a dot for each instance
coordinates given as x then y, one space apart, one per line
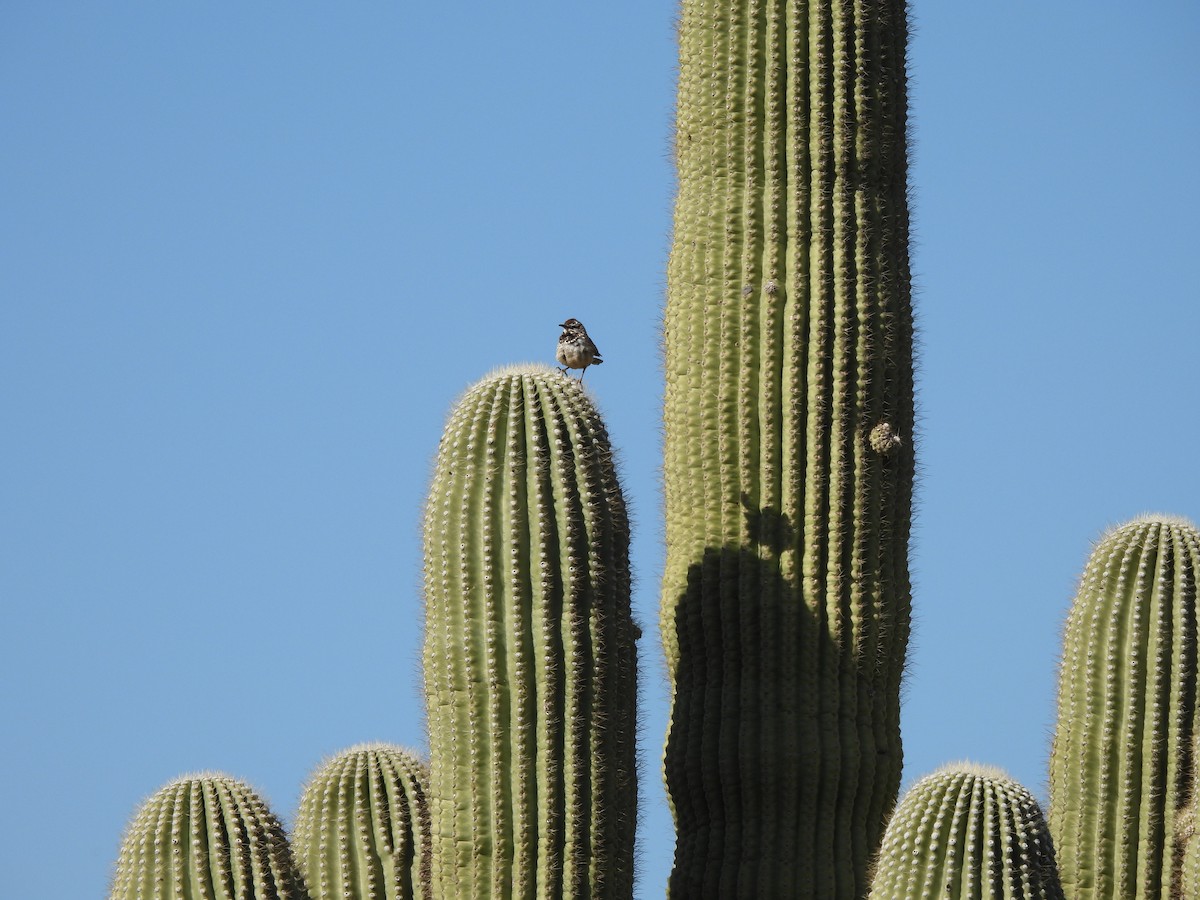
530 673
788 452
1123 755
967 832
206 837
362 829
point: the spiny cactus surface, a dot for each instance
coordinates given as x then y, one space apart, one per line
363 829
789 445
530 672
1123 750
206 837
1187 855
967 832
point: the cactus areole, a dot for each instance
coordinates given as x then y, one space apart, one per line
788 463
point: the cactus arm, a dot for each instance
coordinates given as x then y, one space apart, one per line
362 829
529 662
968 832
206 837
1127 711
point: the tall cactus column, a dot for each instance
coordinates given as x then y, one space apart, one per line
530 673
788 450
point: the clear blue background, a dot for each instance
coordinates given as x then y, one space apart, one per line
250 254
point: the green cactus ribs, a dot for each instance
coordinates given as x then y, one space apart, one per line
789 445
206 837
1187 853
968 832
1123 754
530 670
363 828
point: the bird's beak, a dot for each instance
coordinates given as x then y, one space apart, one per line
562 324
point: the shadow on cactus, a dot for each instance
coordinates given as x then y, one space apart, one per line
755 826
767 527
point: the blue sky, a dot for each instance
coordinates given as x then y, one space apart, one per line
250 254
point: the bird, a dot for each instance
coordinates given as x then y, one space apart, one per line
575 348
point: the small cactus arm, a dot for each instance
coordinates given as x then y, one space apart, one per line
529 662
967 832
789 464
362 829
1123 753
206 837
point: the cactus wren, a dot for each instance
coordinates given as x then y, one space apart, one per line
575 348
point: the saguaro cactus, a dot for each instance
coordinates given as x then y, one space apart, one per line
788 453
1123 750
363 826
206 837
967 832
530 672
